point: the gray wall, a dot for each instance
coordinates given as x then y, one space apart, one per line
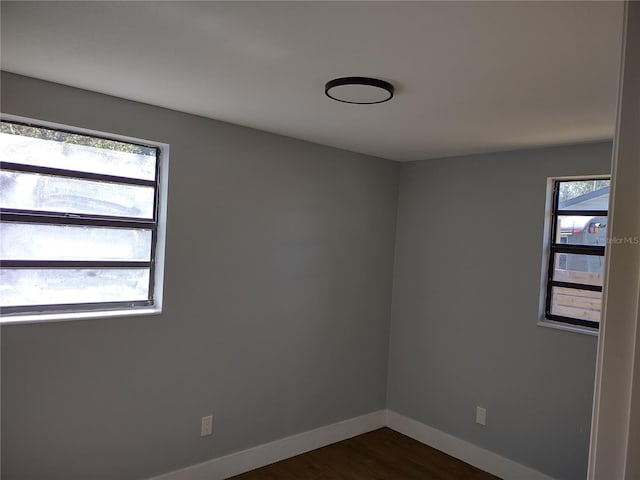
465 306
277 303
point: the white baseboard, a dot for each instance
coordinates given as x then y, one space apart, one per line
268 453
467 452
252 458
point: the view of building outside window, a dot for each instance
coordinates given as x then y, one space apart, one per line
574 290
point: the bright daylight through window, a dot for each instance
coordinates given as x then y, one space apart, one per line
79 222
576 253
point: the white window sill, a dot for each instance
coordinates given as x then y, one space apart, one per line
568 328
68 316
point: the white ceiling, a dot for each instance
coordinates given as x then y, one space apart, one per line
469 76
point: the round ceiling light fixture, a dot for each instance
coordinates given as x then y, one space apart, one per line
359 90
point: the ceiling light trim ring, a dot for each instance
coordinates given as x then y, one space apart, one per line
359 81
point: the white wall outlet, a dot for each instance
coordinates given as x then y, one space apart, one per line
481 415
206 426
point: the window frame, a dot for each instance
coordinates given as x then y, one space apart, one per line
157 225
552 247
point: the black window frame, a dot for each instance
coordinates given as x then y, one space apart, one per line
80 219
558 247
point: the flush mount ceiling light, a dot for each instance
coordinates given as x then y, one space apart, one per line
360 90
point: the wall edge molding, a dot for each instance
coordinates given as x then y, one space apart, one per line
240 462
461 449
259 456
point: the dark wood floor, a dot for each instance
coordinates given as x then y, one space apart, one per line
379 455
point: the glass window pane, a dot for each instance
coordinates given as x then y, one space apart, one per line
50 148
581 304
585 269
25 241
69 195
581 230
584 195
26 286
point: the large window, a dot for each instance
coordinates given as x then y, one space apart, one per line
79 222
576 253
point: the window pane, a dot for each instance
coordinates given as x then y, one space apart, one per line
69 195
581 304
585 269
50 148
25 286
584 195
25 241
581 230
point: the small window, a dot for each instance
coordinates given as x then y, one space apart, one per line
79 222
578 231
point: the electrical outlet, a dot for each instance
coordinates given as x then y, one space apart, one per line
206 426
481 415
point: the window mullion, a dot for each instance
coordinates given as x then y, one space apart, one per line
60 172
573 321
576 286
61 218
54 264
595 250
582 213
